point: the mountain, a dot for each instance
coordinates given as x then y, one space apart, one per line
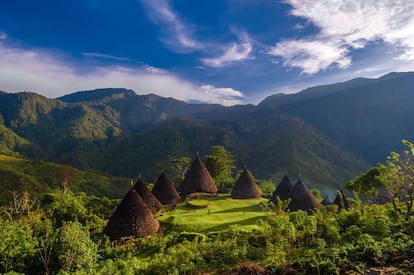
102 95
368 117
328 134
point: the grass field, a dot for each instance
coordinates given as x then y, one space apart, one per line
216 214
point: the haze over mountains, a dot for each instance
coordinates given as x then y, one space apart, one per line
329 133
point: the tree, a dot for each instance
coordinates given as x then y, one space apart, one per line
64 205
398 173
367 184
16 245
178 168
75 248
220 164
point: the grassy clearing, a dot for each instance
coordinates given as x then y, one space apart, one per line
216 214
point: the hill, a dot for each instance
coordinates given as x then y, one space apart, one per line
35 176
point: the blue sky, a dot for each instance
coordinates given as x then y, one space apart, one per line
215 51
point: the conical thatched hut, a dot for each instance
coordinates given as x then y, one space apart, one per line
245 187
302 198
342 201
283 190
198 179
132 218
384 196
327 201
164 190
150 200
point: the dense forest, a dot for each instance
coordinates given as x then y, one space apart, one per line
60 231
331 133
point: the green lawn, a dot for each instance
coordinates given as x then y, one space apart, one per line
215 214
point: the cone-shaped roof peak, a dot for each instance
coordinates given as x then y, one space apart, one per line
132 218
302 198
245 187
198 179
283 190
150 200
165 191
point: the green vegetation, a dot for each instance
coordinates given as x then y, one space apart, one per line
35 176
123 134
60 232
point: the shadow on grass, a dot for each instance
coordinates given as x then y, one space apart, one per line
250 208
225 226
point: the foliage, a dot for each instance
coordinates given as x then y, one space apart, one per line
367 184
220 164
177 168
75 248
16 245
398 174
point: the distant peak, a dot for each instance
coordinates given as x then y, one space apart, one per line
97 95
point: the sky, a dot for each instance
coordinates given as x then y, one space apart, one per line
213 51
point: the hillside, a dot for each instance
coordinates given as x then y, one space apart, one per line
35 176
329 133
368 117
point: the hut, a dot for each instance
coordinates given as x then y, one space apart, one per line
302 198
245 187
327 201
197 179
164 190
132 218
342 201
150 200
283 190
384 196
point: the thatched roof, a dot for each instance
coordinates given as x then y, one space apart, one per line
283 190
342 201
245 187
198 179
302 198
327 201
150 200
132 218
164 190
384 196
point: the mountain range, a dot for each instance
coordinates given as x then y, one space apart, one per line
329 134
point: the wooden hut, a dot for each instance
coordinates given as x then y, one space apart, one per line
302 198
164 190
132 218
197 179
283 190
150 200
327 201
342 200
245 187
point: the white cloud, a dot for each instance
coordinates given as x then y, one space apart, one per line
3 35
345 25
231 53
154 70
176 33
311 56
39 71
106 56
228 96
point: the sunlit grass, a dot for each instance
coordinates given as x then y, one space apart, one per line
216 214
